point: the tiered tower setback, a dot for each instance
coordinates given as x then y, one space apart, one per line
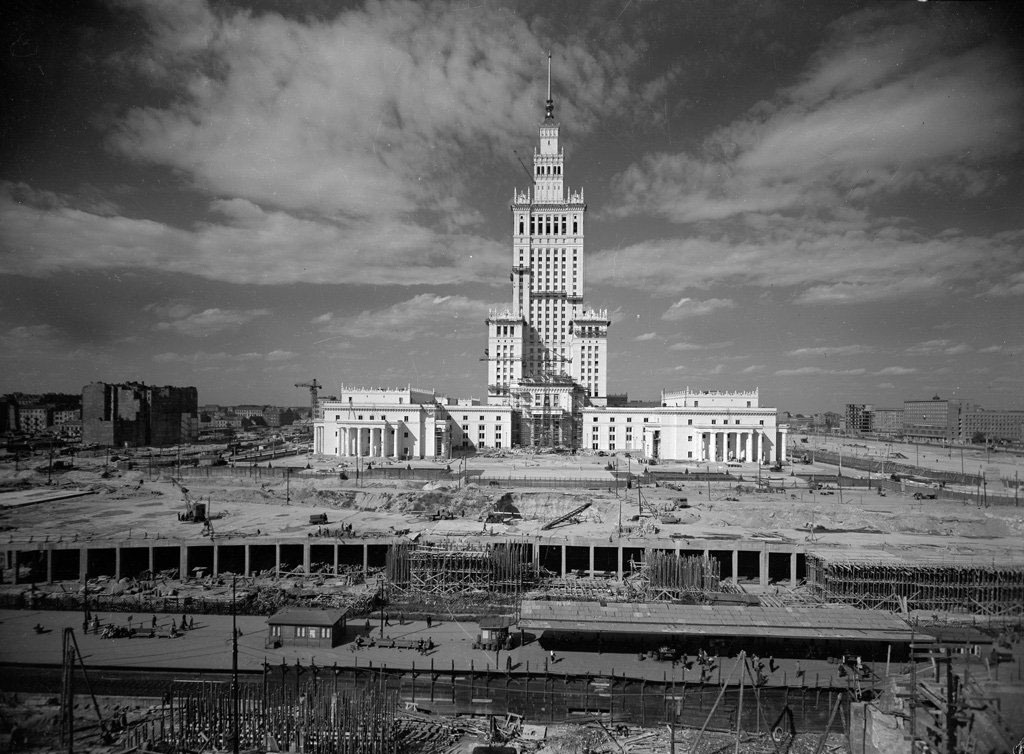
547 336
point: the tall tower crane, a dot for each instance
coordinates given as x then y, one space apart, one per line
313 387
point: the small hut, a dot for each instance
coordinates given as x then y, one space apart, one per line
305 627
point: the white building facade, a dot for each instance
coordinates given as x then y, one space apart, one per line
408 423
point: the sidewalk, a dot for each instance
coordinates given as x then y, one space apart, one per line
208 646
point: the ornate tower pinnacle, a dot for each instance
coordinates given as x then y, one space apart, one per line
549 107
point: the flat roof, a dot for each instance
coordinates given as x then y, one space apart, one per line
305 617
670 620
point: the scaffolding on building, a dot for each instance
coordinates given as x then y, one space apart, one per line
667 577
992 589
451 567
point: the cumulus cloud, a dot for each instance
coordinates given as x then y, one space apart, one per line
208 321
895 370
250 247
420 318
222 357
894 105
687 307
819 370
851 350
646 336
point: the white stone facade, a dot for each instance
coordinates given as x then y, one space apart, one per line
408 423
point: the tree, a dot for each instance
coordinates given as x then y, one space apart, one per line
978 438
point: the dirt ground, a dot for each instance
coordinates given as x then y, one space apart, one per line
137 504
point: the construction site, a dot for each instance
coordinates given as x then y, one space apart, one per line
533 601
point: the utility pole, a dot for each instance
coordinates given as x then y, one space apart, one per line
234 669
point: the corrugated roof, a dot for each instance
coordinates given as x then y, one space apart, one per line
298 616
706 620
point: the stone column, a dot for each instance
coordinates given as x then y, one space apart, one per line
619 568
49 566
277 558
152 558
366 559
591 560
182 561
782 444
763 567
563 561
216 559
735 566
306 561
748 445
792 569
248 563
117 562
335 558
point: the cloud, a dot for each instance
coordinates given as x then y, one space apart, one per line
753 368
893 106
646 336
250 247
1004 348
871 265
819 370
687 307
894 370
939 346
700 346
209 321
890 102
221 357
29 338
832 351
421 318
347 116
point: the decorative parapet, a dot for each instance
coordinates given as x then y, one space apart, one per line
595 315
503 315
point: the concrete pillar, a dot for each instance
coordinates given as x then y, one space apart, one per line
763 568
151 558
335 558
792 569
782 445
366 560
83 564
563 561
748 445
735 566
247 566
618 570
49 566
277 558
305 558
117 562
216 559
182 561
591 560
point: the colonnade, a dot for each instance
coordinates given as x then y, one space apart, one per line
378 441
740 445
144 557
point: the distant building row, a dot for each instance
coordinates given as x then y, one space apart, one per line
937 420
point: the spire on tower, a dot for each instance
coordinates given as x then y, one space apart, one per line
549 108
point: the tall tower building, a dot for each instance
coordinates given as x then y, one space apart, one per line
547 352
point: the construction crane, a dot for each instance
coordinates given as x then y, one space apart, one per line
313 386
195 511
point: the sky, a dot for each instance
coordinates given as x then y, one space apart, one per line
824 201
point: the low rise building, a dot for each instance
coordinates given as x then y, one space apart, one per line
306 627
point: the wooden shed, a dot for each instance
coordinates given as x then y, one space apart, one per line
305 627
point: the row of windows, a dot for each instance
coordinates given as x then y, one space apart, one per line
544 224
304 632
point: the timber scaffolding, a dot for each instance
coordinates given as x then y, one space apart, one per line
665 577
452 567
995 589
315 718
